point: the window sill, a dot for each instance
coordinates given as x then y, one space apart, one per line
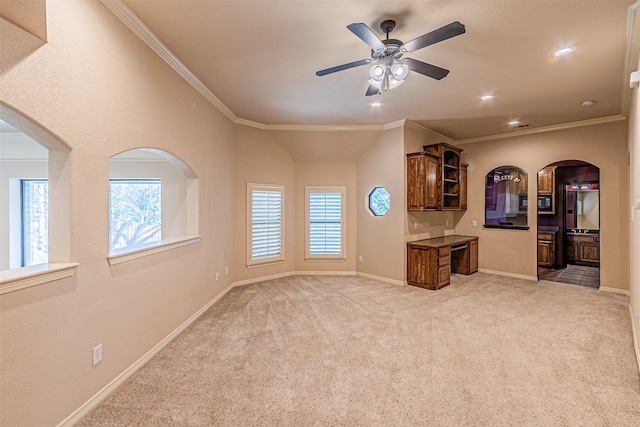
25 277
507 227
125 255
324 258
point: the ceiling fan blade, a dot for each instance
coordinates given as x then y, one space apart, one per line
372 90
426 69
366 35
342 67
435 36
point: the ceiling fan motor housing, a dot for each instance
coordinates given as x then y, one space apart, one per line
392 49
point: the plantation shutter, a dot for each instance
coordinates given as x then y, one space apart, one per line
325 223
266 224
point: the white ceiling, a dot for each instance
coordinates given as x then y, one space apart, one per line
260 57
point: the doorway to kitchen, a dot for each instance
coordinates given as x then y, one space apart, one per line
568 216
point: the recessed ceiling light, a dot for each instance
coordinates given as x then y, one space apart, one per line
588 103
514 123
487 97
376 104
564 51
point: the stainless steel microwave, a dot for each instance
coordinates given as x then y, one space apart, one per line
545 203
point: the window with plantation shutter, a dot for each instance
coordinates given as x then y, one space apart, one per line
265 234
325 223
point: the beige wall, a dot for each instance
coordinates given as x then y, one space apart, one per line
380 238
260 159
102 91
515 251
329 173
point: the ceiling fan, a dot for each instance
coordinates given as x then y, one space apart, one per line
390 69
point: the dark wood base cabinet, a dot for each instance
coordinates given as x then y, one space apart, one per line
583 249
546 249
430 262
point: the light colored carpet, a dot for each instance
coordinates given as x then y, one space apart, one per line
311 350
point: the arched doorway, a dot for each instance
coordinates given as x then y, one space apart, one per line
568 220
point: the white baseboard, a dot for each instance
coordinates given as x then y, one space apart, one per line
514 275
614 290
262 278
292 273
83 410
380 278
635 331
324 273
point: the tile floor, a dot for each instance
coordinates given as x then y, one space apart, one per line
574 274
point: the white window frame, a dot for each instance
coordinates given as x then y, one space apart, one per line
133 181
276 258
308 190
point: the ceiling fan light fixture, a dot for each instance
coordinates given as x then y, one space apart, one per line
377 72
399 71
393 83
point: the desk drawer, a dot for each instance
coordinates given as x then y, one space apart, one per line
545 236
444 260
446 251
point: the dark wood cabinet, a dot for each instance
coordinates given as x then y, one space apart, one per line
547 191
546 180
546 249
583 249
430 262
436 179
423 170
473 256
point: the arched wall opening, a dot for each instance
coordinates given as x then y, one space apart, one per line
153 200
568 218
28 151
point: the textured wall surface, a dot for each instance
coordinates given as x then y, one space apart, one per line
101 91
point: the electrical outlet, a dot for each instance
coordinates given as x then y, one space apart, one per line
360 258
474 223
415 225
226 269
217 276
447 222
97 354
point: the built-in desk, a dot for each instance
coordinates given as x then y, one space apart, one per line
430 262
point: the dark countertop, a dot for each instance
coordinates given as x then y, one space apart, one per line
439 242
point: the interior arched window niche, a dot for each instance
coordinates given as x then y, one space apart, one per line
34 204
153 204
506 198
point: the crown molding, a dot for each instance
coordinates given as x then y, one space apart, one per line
326 128
552 128
146 35
632 53
121 11
424 129
250 123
